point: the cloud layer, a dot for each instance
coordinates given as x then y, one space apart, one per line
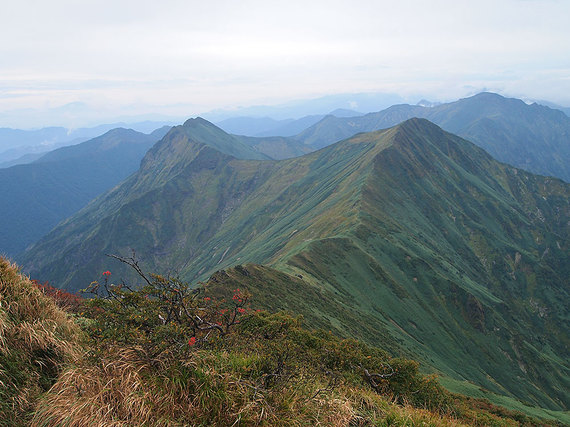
184 57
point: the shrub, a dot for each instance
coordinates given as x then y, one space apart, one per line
167 316
163 314
64 300
289 348
170 354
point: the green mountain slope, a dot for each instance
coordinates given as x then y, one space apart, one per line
265 126
202 131
36 196
276 147
410 238
532 137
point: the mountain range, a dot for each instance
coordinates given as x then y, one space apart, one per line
409 237
35 197
532 137
18 146
266 126
296 109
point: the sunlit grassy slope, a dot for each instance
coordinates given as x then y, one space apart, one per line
410 238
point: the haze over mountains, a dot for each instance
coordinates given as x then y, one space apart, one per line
376 226
35 197
533 137
19 146
362 102
266 126
342 225
409 237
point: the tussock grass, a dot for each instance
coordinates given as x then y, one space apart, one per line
111 393
269 372
36 339
205 390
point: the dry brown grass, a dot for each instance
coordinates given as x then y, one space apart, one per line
36 339
112 393
30 320
121 391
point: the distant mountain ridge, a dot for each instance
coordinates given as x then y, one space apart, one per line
363 102
532 137
36 196
414 239
266 126
17 143
202 131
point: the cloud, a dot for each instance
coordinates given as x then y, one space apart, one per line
155 55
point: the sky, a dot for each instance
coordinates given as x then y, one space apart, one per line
80 62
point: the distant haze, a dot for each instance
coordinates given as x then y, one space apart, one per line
74 64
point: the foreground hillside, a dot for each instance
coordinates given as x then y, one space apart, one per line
36 340
220 365
410 238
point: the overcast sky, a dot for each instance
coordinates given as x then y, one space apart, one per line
179 58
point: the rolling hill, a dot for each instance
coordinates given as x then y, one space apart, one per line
532 137
410 238
36 196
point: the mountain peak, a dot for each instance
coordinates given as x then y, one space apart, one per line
420 127
493 100
417 122
182 144
198 121
111 139
530 137
488 95
120 131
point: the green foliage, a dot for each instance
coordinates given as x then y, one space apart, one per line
290 351
256 369
166 314
168 318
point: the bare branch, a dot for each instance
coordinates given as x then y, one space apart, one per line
132 262
331 385
374 376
